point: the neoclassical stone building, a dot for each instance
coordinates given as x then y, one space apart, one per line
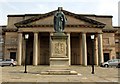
79 28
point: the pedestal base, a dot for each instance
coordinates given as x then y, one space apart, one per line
60 62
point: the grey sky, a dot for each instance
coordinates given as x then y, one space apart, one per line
98 7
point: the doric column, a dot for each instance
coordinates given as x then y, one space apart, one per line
69 48
100 48
84 49
19 49
96 51
35 49
39 57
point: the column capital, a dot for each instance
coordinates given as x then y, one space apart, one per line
51 33
20 31
100 32
96 35
68 32
83 32
35 32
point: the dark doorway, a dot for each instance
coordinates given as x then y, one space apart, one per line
89 49
13 55
75 50
88 59
31 58
44 49
106 57
29 49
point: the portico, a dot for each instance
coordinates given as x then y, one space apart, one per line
79 47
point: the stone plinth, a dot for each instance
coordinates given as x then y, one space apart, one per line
61 62
59 56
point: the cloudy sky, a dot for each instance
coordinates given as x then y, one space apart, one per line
98 7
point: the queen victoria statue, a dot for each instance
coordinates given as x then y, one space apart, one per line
59 21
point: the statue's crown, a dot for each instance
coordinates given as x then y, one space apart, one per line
60 8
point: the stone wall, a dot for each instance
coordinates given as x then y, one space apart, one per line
10 43
109 44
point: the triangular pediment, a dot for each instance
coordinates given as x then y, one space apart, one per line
47 19
43 21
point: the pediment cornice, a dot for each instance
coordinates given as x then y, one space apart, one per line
110 30
25 23
76 26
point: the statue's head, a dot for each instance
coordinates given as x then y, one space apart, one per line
60 8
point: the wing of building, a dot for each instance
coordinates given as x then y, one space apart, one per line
79 28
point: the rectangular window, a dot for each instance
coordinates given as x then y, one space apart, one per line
13 55
118 55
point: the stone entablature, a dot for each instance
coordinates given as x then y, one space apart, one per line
110 30
10 30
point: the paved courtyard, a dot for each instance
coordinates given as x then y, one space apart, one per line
16 74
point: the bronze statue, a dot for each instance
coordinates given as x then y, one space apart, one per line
59 20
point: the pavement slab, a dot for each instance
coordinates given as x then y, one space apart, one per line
13 75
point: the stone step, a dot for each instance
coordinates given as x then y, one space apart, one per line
59 72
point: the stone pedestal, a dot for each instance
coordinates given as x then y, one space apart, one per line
59 56
59 59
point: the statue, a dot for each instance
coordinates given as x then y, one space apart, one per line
59 20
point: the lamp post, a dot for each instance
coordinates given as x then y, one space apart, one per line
26 38
92 37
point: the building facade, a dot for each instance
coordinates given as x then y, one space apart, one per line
79 28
